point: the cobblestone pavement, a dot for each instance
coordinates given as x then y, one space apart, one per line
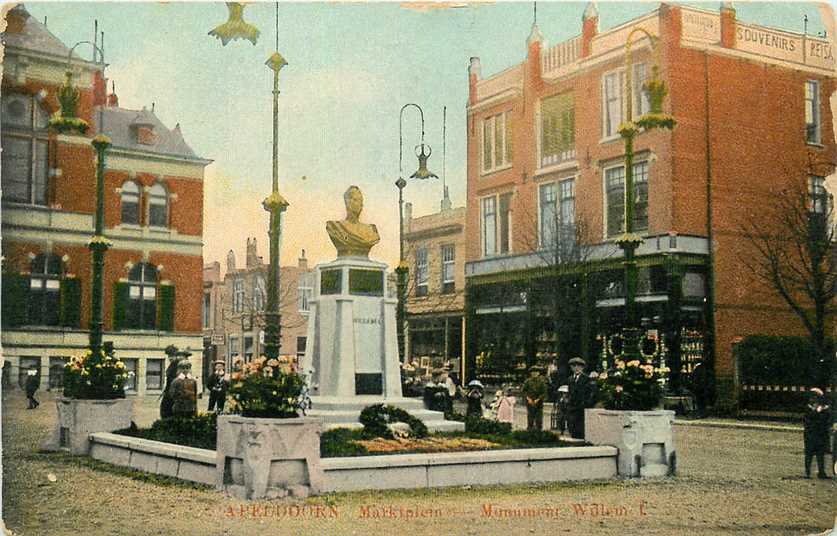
731 482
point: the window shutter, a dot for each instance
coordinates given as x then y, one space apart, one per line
165 307
71 302
15 299
120 304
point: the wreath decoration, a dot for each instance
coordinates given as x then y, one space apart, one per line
657 347
376 418
610 342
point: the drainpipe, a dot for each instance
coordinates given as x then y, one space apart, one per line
709 343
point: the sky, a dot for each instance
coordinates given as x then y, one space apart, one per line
352 66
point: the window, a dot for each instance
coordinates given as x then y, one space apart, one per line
615 198
496 227
234 349
812 111
153 374
259 293
206 309
248 348
301 343
142 297
557 129
56 372
130 201
305 293
448 263
818 195
158 206
549 215
131 370
238 295
45 290
557 213
25 150
421 272
496 142
613 105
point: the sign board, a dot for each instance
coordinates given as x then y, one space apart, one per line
700 26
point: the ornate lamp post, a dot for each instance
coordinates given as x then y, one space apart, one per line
275 204
403 269
655 118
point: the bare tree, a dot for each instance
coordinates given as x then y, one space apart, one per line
792 239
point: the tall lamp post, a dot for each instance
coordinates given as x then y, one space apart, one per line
275 204
403 268
656 90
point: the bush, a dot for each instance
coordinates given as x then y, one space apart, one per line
478 425
376 418
339 442
768 360
631 385
95 377
199 431
264 389
535 437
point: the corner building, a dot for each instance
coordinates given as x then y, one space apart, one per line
546 189
153 199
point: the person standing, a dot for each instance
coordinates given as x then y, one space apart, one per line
475 396
184 391
217 384
817 421
505 408
534 389
580 397
33 382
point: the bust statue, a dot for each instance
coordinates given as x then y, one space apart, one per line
351 237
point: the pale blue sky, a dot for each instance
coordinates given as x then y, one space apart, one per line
351 68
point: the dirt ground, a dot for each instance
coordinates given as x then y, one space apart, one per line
730 482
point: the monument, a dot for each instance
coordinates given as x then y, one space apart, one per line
351 358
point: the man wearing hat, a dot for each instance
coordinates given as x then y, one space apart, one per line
475 396
534 389
217 383
184 391
581 396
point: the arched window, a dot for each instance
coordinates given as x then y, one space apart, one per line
25 149
142 297
130 202
158 206
45 290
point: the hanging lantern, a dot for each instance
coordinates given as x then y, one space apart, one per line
423 172
235 27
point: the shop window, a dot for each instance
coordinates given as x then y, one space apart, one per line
25 149
154 374
45 290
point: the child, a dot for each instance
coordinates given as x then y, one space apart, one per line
505 407
559 412
817 422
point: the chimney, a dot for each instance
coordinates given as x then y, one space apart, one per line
589 28
113 100
727 25
252 254
230 262
446 204
533 55
473 77
302 262
100 89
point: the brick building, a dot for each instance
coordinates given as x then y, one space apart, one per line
234 307
435 248
546 168
153 216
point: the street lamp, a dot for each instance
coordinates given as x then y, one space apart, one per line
656 90
68 121
275 204
422 173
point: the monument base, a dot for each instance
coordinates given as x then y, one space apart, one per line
344 412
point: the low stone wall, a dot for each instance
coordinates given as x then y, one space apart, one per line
515 466
185 463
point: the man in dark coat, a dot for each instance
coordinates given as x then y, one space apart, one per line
817 421
184 391
33 382
217 383
534 389
581 396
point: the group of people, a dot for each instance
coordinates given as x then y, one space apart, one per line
571 397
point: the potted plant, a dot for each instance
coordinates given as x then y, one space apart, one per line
265 449
630 393
93 400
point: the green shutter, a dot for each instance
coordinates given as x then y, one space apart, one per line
120 304
15 300
71 302
165 308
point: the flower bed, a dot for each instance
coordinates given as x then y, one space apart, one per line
427 444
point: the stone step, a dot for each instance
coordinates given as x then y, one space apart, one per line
357 403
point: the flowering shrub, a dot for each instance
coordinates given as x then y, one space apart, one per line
262 388
631 385
95 376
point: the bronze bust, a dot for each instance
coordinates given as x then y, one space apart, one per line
351 237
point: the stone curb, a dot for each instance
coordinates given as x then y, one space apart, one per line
741 425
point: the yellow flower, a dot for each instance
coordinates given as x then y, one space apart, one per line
620 364
98 365
603 376
120 364
273 362
634 363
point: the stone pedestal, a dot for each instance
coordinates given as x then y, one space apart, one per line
77 419
644 439
352 343
258 458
